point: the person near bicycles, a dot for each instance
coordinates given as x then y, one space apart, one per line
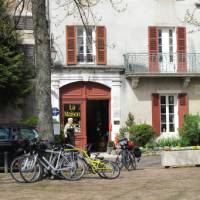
69 132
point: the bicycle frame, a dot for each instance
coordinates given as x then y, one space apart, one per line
94 164
46 163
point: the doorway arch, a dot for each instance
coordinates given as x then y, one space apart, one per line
88 103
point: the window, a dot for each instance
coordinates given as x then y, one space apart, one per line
24 22
26 133
73 111
4 133
85 44
167 113
166 44
169 43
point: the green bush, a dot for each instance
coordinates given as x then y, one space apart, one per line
123 131
130 120
141 134
110 143
190 131
60 139
151 145
32 121
170 142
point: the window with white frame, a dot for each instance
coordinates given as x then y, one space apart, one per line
168 114
85 44
166 43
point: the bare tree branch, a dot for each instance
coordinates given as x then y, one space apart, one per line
21 10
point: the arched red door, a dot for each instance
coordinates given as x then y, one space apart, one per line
73 103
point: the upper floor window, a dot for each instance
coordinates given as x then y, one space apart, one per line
166 44
24 22
86 45
167 49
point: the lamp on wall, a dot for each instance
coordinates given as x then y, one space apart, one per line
53 53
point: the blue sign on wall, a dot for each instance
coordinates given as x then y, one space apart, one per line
55 111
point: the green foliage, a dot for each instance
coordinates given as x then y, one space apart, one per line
110 143
130 120
151 145
141 134
123 131
57 139
170 142
14 76
60 139
30 121
190 131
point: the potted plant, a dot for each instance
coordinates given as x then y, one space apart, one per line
110 146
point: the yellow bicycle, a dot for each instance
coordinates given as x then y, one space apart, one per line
104 168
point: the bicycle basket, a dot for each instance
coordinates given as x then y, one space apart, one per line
131 145
137 152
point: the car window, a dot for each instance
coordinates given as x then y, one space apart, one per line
14 133
26 133
4 133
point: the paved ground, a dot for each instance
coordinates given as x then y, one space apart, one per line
149 182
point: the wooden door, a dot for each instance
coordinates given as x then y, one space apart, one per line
73 104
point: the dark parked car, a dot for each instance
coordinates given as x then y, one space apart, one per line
14 139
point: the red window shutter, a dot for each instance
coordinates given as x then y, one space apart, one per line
156 113
181 49
71 45
101 45
182 107
153 49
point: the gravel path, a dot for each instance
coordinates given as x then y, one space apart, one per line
149 182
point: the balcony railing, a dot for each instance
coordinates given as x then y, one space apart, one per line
145 63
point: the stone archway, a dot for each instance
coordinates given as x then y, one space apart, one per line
74 100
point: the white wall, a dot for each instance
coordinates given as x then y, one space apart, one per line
138 101
109 79
127 31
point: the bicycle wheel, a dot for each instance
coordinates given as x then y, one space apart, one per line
108 169
133 160
129 163
15 169
119 161
72 169
30 169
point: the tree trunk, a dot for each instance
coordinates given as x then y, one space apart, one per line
43 69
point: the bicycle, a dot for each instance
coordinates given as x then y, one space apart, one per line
48 161
104 168
126 157
16 163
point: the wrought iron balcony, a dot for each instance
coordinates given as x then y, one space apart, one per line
160 64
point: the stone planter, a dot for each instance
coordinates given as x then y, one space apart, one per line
180 158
